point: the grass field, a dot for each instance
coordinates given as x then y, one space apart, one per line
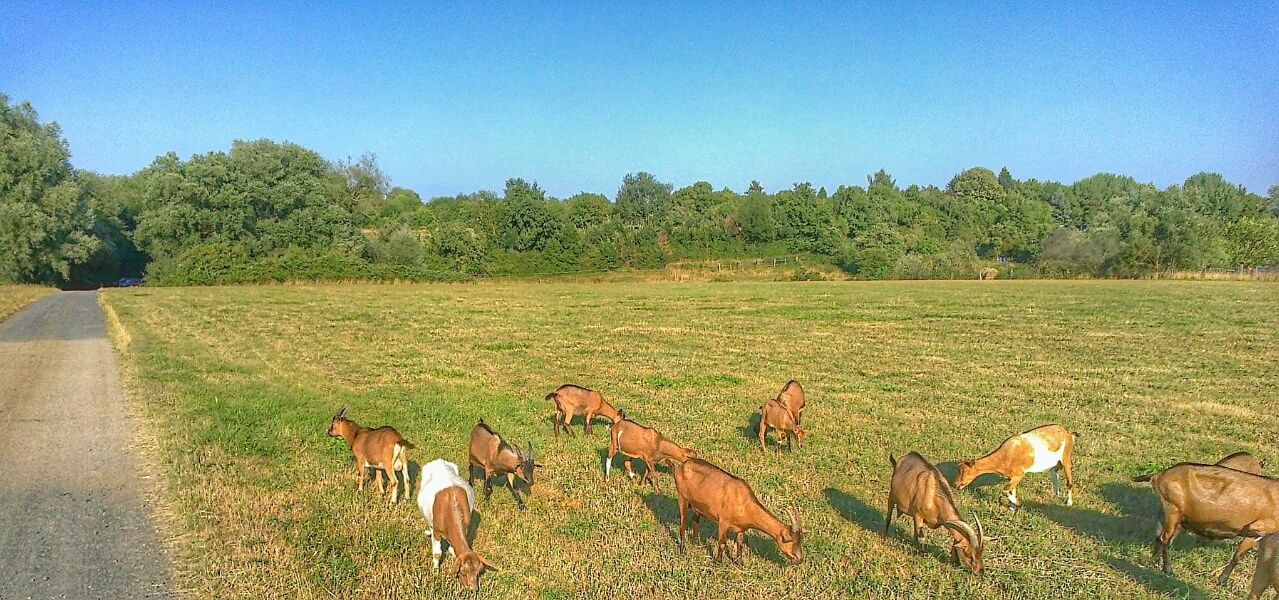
239 384
14 297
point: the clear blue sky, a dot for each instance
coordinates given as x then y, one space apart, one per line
455 98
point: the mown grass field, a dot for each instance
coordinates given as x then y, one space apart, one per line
239 384
14 298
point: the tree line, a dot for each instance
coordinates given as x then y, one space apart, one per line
270 211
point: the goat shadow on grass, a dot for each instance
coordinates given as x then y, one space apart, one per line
750 430
853 510
1156 581
666 509
499 482
1138 517
577 425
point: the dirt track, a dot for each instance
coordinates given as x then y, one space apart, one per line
73 521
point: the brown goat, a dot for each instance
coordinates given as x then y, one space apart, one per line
1041 449
1242 461
792 397
775 415
706 489
572 400
1267 575
919 490
494 456
383 449
645 443
988 274
1214 502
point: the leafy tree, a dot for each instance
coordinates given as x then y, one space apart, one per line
642 197
527 220
46 218
1254 242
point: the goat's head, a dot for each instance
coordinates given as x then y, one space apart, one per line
528 462
967 473
339 422
468 569
791 540
800 434
970 547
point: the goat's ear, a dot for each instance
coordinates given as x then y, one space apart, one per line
492 567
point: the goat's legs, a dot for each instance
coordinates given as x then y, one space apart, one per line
1167 533
587 428
763 433
723 539
888 519
683 520
919 534
1245 545
1011 491
649 469
361 473
1070 478
510 482
437 553
741 543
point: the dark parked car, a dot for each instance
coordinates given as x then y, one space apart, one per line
129 282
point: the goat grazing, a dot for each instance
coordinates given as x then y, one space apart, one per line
706 489
775 415
494 456
1267 575
645 443
919 490
1242 461
792 397
382 449
1041 449
572 400
447 503
1214 502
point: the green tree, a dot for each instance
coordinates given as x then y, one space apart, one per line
527 220
46 219
1254 242
642 198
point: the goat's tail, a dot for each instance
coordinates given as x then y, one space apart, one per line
405 444
554 396
1144 478
892 460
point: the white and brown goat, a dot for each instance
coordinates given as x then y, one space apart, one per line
447 503
572 400
1045 448
633 441
705 489
774 415
920 491
382 449
496 457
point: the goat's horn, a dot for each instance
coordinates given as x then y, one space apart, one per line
973 539
341 413
795 524
981 531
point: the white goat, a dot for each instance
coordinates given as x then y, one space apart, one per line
437 476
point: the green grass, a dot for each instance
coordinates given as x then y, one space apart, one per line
238 385
14 298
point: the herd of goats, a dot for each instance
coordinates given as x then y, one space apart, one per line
1229 499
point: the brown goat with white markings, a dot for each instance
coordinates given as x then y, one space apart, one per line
919 490
1214 502
494 456
774 415
572 400
705 489
1267 575
645 443
1049 447
382 449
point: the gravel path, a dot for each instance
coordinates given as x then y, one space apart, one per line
73 520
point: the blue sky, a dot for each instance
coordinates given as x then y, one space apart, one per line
456 97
